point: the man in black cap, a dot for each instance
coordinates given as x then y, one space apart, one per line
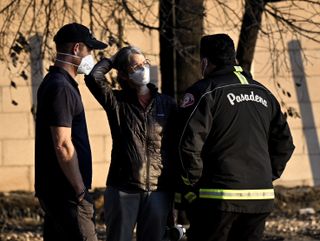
233 144
63 164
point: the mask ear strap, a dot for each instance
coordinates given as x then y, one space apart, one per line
205 63
205 60
65 62
72 55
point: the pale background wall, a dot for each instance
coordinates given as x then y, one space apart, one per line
17 124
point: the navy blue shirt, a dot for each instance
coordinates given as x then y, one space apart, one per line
60 105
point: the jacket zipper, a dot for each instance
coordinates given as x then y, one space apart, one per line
146 151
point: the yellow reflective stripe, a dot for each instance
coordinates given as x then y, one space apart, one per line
242 79
177 197
228 194
238 68
186 181
190 196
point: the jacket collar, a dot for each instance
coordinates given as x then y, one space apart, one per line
56 69
221 70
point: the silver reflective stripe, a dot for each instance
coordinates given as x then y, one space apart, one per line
229 194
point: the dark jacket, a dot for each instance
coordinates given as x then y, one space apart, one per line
234 141
141 158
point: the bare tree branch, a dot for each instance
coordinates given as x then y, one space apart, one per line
20 19
140 23
8 6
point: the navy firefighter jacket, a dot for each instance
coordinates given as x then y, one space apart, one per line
234 141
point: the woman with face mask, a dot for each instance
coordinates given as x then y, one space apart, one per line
138 193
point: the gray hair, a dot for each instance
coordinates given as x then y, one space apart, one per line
122 59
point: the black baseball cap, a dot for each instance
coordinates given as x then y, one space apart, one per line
75 32
218 48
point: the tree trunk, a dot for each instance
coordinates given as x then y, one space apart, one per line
189 30
181 28
251 23
166 47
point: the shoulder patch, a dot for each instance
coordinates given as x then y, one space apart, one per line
187 100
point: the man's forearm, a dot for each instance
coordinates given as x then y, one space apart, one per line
68 161
67 157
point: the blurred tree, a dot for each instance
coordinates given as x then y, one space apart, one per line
180 23
181 27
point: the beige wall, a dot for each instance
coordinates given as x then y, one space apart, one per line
303 168
17 125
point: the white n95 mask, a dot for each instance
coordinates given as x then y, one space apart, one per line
141 76
86 65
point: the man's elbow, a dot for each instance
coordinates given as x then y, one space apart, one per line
65 152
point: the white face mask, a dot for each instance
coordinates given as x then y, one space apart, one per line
85 66
141 76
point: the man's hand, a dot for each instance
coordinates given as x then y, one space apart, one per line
186 194
81 195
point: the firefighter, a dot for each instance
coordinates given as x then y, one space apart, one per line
234 142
